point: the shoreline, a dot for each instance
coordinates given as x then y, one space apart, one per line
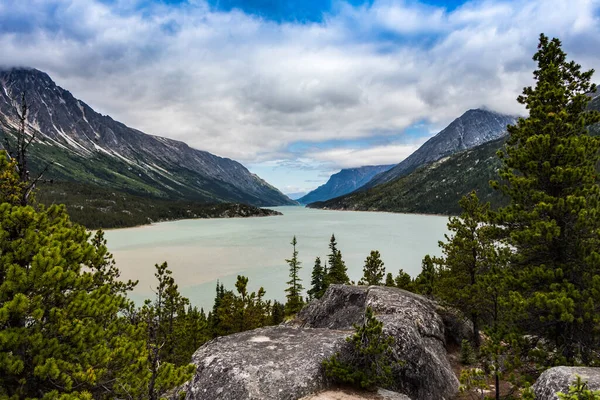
383 212
277 214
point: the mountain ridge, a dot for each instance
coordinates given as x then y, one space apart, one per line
436 188
110 151
472 128
343 182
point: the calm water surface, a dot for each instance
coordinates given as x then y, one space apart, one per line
200 252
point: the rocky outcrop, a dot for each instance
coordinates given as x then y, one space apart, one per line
381 394
413 321
284 362
558 379
275 363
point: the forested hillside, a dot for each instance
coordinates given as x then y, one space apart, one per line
436 188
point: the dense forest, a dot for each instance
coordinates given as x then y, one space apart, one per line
526 275
96 207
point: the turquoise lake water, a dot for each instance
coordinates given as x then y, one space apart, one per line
200 252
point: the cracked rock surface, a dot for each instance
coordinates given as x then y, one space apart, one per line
558 379
284 362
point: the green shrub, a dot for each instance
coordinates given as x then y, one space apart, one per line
579 391
369 361
467 354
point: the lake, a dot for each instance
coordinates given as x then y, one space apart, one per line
200 252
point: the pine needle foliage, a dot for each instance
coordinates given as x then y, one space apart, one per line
373 270
468 253
579 391
294 290
337 272
553 219
318 285
369 360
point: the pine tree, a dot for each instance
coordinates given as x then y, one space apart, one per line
294 291
64 328
277 313
425 281
389 280
213 316
553 219
468 254
373 270
161 318
338 272
318 286
404 281
370 359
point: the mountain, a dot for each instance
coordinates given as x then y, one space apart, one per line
473 128
432 189
87 147
595 105
436 188
345 181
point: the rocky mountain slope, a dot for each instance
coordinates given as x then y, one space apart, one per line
437 187
433 189
471 129
91 148
345 181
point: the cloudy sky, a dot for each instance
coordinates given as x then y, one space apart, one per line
296 89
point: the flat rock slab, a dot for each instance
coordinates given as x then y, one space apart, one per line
558 379
273 363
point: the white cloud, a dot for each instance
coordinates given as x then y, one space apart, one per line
377 155
246 88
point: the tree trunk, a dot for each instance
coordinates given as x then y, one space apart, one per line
476 336
497 386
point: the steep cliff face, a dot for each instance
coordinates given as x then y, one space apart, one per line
344 182
90 147
472 129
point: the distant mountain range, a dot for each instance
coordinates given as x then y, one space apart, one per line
436 187
345 181
93 149
433 189
473 128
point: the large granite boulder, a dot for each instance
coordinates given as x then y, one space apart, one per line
284 362
380 394
558 379
413 321
274 363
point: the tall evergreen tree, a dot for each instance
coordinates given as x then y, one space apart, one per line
294 291
161 316
553 218
317 282
468 254
373 270
338 272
